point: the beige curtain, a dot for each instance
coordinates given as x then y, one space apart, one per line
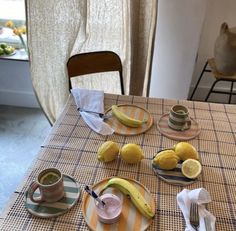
59 29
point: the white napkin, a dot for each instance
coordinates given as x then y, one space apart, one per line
200 196
90 103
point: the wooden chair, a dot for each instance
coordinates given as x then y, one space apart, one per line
218 77
94 62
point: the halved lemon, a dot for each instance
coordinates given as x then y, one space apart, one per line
49 178
191 168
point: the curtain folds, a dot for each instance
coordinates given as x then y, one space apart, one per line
142 27
59 29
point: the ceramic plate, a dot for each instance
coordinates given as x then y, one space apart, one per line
189 134
47 210
173 176
134 112
131 218
5 55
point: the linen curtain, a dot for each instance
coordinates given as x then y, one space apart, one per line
59 29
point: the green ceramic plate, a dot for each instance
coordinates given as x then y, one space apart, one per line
47 210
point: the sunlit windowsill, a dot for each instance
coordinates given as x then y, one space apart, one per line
20 55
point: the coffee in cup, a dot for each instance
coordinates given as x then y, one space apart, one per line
179 118
50 184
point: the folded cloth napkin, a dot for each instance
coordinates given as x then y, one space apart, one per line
90 103
200 196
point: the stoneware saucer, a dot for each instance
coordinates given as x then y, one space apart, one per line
191 133
47 210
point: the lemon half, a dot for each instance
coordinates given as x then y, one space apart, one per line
49 178
191 168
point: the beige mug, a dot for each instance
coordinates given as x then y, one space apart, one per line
50 185
179 118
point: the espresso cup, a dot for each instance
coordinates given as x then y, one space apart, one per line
50 185
179 118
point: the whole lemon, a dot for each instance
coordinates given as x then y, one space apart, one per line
166 159
131 153
186 151
108 151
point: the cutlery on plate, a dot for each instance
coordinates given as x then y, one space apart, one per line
101 115
194 216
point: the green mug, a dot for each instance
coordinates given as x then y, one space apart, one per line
179 118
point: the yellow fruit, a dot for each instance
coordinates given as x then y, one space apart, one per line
166 159
131 153
133 193
191 168
49 178
125 119
186 151
108 151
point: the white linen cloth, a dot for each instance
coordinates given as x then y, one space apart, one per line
200 196
90 103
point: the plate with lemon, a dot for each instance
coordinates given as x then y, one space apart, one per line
179 165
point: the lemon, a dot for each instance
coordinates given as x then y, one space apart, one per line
131 153
49 178
186 151
108 151
191 168
166 159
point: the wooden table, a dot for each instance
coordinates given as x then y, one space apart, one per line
72 147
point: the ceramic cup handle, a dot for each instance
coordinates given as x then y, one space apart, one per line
32 188
187 124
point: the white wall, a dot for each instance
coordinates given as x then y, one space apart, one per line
15 84
179 25
218 11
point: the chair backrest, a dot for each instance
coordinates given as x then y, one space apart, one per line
94 62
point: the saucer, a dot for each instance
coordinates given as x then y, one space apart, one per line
189 134
48 210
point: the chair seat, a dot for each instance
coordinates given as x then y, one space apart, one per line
217 74
218 78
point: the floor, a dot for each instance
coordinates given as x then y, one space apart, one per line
22 131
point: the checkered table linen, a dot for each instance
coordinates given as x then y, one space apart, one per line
72 147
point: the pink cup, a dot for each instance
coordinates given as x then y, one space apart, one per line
110 213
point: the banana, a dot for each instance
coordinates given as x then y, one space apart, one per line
132 192
126 120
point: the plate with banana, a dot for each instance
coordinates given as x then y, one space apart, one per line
138 205
129 119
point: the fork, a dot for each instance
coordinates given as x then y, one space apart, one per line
194 216
101 115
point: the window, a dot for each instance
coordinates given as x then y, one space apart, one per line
11 10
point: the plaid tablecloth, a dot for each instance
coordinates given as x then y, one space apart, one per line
72 147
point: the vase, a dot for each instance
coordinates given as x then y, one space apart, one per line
225 50
23 43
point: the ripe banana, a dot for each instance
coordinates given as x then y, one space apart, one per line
126 120
132 192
